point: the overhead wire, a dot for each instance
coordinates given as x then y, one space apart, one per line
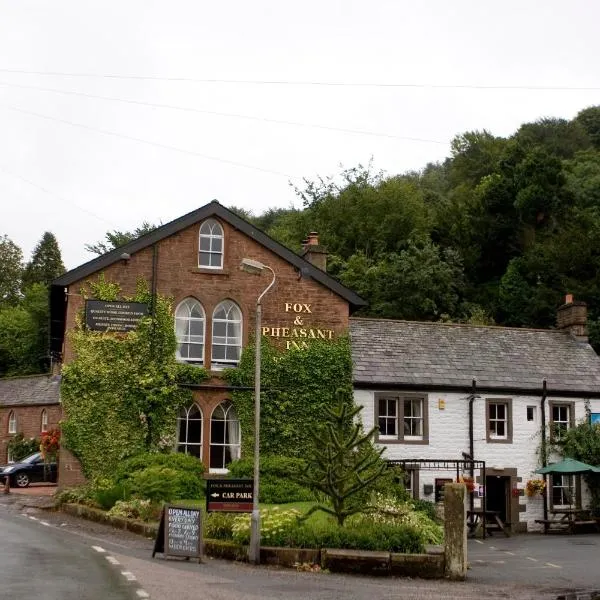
221 114
282 82
148 142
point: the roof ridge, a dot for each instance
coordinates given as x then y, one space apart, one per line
464 325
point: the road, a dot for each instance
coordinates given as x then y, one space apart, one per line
40 562
520 568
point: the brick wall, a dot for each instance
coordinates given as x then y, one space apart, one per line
178 276
29 423
293 303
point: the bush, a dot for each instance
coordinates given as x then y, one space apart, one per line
74 495
173 460
135 508
426 507
164 484
278 478
219 526
20 447
354 536
275 526
107 497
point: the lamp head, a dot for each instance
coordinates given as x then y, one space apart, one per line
252 266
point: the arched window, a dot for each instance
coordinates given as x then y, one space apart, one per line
189 427
12 422
44 427
210 248
224 436
189 329
226 335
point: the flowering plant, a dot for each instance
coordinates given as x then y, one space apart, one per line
50 443
468 481
535 486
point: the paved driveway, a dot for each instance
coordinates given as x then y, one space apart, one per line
561 561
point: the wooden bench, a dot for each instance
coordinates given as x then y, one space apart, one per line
554 524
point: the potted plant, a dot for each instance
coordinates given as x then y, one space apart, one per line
534 487
468 481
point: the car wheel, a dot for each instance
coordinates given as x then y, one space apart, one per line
22 480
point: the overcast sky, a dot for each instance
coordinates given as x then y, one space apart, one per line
85 148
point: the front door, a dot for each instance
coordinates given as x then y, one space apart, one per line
497 495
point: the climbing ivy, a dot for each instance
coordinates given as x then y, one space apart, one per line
297 388
120 394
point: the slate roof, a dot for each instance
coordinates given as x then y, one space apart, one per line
28 391
406 354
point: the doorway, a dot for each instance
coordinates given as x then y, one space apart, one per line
497 496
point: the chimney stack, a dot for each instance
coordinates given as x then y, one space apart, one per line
313 252
572 317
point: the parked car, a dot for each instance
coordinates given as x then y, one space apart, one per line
29 470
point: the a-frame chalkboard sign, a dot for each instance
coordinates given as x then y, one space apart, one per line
179 532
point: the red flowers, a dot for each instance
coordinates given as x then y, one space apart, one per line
50 443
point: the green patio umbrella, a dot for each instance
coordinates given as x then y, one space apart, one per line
568 466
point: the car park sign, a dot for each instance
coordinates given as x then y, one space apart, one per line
229 495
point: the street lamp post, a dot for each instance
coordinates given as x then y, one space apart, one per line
256 267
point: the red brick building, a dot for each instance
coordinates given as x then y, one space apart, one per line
196 261
28 406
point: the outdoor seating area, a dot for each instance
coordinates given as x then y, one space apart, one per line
492 522
569 520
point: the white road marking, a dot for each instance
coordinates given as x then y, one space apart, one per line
128 575
112 560
553 565
499 562
492 547
33 518
530 558
45 523
479 560
142 594
478 541
507 552
99 549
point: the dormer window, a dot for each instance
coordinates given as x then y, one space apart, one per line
210 248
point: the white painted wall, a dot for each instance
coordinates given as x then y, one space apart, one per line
449 438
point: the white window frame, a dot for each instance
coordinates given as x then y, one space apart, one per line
390 419
405 418
229 417
567 490
212 231
12 422
557 424
233 342
184 416
495 419
44 421
187 304
411 419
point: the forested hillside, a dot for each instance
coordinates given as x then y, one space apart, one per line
498 233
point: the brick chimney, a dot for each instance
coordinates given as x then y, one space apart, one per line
572 317
313 252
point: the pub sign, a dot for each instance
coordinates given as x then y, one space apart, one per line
114 316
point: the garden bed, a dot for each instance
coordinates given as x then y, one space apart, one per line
425 565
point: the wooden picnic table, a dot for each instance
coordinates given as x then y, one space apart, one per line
568 519
493 522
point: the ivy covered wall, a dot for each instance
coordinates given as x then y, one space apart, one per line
120 394
297 386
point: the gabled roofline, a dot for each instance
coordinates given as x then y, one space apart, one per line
213 208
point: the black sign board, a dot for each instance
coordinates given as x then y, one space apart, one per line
179 532
229 495
113 316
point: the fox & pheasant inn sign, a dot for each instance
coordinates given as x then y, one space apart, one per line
297 334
